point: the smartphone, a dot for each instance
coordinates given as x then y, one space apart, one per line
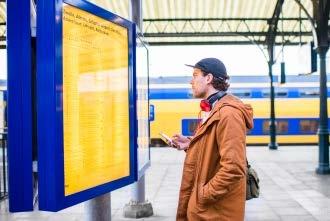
167 139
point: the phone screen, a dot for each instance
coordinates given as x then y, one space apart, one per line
166 139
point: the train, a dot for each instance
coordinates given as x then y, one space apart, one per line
174 110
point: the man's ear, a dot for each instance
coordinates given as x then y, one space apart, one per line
209 78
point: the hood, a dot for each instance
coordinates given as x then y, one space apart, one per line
246 109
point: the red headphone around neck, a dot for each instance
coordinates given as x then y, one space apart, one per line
206 104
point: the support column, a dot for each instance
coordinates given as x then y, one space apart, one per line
138 207
138 190
99 208
136 13
272 124
322 30
323 131
270 41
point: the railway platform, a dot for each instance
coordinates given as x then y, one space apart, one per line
290 188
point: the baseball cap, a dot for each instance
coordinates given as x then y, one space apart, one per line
213 66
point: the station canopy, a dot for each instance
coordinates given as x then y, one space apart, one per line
218 21
170 22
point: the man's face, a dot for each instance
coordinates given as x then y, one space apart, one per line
199 83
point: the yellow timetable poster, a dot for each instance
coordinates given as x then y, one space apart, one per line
95 100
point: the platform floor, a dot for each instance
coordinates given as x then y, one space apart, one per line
290 189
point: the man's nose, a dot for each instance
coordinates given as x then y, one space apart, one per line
191 81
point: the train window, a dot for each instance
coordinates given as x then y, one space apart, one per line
265 94
242 94
265 127
282 127
192 126
308 126
309 94
281 94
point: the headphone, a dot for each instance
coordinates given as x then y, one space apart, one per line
206 104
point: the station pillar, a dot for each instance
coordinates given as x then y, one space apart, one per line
98 208
323 131
272 123
321 16
138 207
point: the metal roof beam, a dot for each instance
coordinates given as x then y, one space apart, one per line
222 19
166 43
221 27
226 34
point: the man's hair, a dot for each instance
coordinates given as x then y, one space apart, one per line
220 84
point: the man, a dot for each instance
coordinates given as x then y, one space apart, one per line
213 185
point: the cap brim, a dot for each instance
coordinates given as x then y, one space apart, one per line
189 65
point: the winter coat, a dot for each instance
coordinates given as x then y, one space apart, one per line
213 185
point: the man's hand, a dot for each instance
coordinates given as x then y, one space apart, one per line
180 142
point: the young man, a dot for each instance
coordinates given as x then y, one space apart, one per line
213 185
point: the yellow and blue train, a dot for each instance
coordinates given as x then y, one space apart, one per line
173 110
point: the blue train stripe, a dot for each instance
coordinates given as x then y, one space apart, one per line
285 126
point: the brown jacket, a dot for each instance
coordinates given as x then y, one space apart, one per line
213 181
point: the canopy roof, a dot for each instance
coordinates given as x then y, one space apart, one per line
211 21
218 21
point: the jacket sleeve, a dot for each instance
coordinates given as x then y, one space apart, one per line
231 135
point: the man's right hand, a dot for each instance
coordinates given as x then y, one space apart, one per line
180 142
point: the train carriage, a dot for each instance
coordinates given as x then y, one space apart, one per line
173 110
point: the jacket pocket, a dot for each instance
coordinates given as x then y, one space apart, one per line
194 204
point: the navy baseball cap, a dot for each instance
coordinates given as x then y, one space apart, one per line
213 66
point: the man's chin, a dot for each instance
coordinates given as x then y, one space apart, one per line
196 95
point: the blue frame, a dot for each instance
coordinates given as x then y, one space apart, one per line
19 106
50 113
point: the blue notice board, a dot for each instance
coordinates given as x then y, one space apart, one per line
87 135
